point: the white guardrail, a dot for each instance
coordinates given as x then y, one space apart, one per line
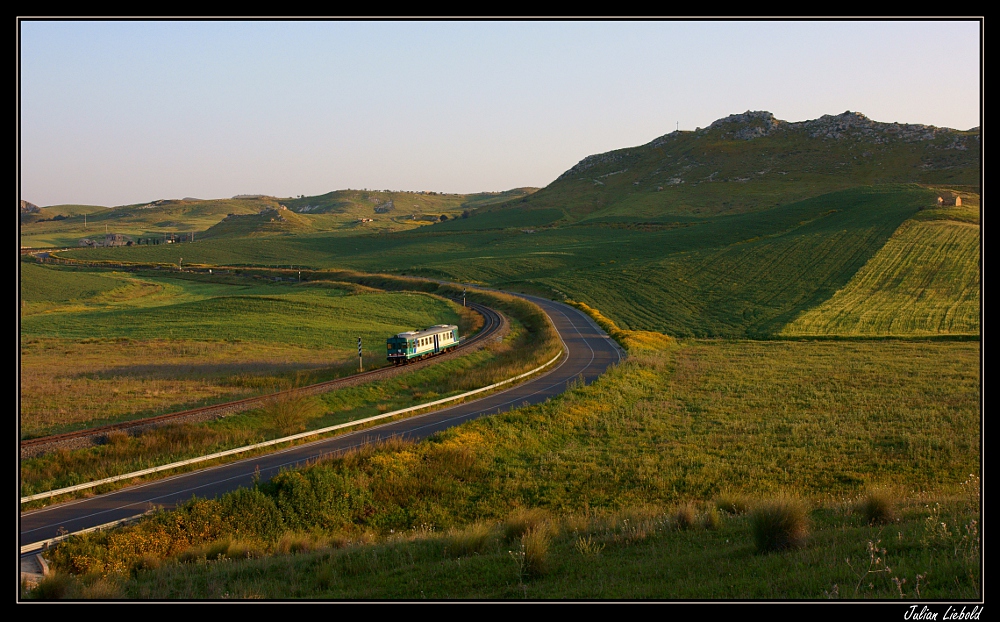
230 452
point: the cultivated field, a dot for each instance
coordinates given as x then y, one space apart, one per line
924 281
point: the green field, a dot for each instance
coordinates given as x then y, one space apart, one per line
158 342
924 281
732 275
529 341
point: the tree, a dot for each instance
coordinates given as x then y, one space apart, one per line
444 217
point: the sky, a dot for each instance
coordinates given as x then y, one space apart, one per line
120 112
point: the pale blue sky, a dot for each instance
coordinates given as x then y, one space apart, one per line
124 112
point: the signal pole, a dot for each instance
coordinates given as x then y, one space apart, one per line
463 296
361 366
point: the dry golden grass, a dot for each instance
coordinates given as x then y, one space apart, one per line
66 383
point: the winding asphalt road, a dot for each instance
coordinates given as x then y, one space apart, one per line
589 352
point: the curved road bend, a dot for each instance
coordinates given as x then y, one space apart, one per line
590 353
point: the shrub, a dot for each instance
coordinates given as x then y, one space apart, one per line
53 587
779 524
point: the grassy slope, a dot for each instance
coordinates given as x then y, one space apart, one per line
924 281
41 284
710 172
732 275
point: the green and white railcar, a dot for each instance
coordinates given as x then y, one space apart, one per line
418 344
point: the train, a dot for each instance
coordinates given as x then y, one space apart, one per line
417 344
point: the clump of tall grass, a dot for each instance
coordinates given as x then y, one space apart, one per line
523 520
223 548
711 519
535 545
468 541
54 586
587 546
685 516
732 503
878 506
779 524
293 542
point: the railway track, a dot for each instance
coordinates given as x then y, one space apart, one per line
494 324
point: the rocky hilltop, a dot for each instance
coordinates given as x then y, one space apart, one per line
754 124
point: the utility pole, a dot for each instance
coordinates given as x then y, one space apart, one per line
361 366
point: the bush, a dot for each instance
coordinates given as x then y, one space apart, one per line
53 587
780 524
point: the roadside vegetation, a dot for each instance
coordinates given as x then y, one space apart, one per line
658 460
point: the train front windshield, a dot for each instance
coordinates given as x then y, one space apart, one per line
396 346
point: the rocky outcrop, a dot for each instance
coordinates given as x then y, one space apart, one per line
847 125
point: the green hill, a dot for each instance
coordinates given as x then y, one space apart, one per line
752 161
268 220
340 211
152 219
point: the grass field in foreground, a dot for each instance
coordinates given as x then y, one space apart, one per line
630 555
736 275
97 347
700 422
924 281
